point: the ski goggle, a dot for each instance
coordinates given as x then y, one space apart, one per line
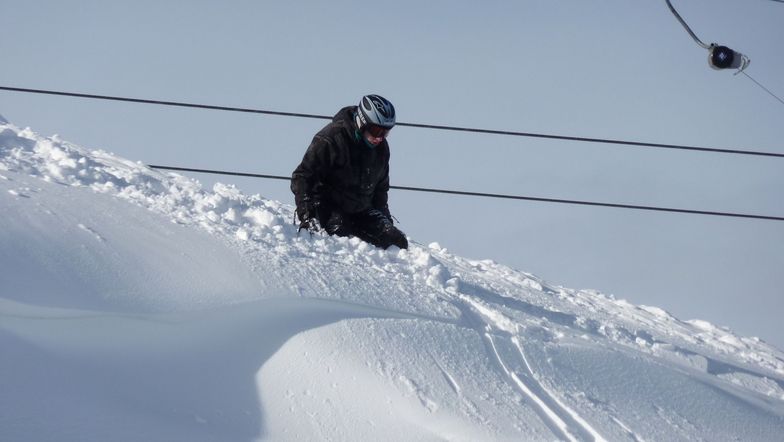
377 131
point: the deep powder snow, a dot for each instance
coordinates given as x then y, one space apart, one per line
136 305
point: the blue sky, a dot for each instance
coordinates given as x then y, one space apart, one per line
604 69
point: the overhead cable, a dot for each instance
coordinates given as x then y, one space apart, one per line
686 26
415 125
502 196
763 87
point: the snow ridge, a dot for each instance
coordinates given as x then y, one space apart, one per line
499 353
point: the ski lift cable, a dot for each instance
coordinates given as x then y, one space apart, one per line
686 26
501 196
403 124
760 84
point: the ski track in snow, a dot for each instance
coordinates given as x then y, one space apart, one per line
507 309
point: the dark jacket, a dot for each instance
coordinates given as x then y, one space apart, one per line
340 171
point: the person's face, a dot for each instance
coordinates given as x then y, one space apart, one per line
375 134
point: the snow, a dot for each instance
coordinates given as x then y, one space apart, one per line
137 305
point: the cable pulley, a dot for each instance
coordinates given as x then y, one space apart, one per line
719 57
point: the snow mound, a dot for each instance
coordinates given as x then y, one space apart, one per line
136 304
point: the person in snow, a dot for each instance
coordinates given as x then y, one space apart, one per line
341 185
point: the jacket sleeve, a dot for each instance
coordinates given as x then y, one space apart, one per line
310 172
381 195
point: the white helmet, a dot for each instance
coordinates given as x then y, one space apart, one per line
375 110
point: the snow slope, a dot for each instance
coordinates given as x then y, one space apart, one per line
135 305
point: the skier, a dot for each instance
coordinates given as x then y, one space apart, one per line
341 185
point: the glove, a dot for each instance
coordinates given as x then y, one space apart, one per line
310 224
392 236
385 211
308 215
